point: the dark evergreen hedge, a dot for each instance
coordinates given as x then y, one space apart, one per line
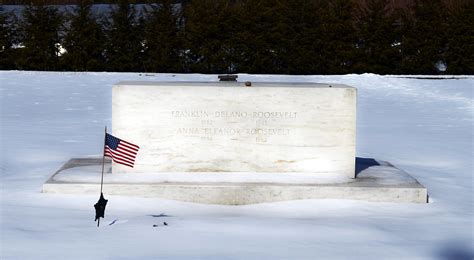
244 36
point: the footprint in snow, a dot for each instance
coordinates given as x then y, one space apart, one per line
117 221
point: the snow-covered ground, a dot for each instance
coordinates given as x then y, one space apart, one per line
423 126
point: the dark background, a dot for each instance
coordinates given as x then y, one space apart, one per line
240 36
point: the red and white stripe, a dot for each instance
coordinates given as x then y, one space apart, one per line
124 154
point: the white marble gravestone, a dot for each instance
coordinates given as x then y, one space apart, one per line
225 143
227 127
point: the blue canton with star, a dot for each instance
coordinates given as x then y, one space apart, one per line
112 142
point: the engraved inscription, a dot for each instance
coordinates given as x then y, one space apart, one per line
189 114
208 124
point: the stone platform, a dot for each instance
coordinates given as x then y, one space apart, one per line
376 181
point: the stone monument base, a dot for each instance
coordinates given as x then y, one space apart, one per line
376 181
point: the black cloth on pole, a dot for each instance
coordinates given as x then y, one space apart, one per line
100 207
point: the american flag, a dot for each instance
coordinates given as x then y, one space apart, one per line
120 151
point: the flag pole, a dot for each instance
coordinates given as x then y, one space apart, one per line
103 163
